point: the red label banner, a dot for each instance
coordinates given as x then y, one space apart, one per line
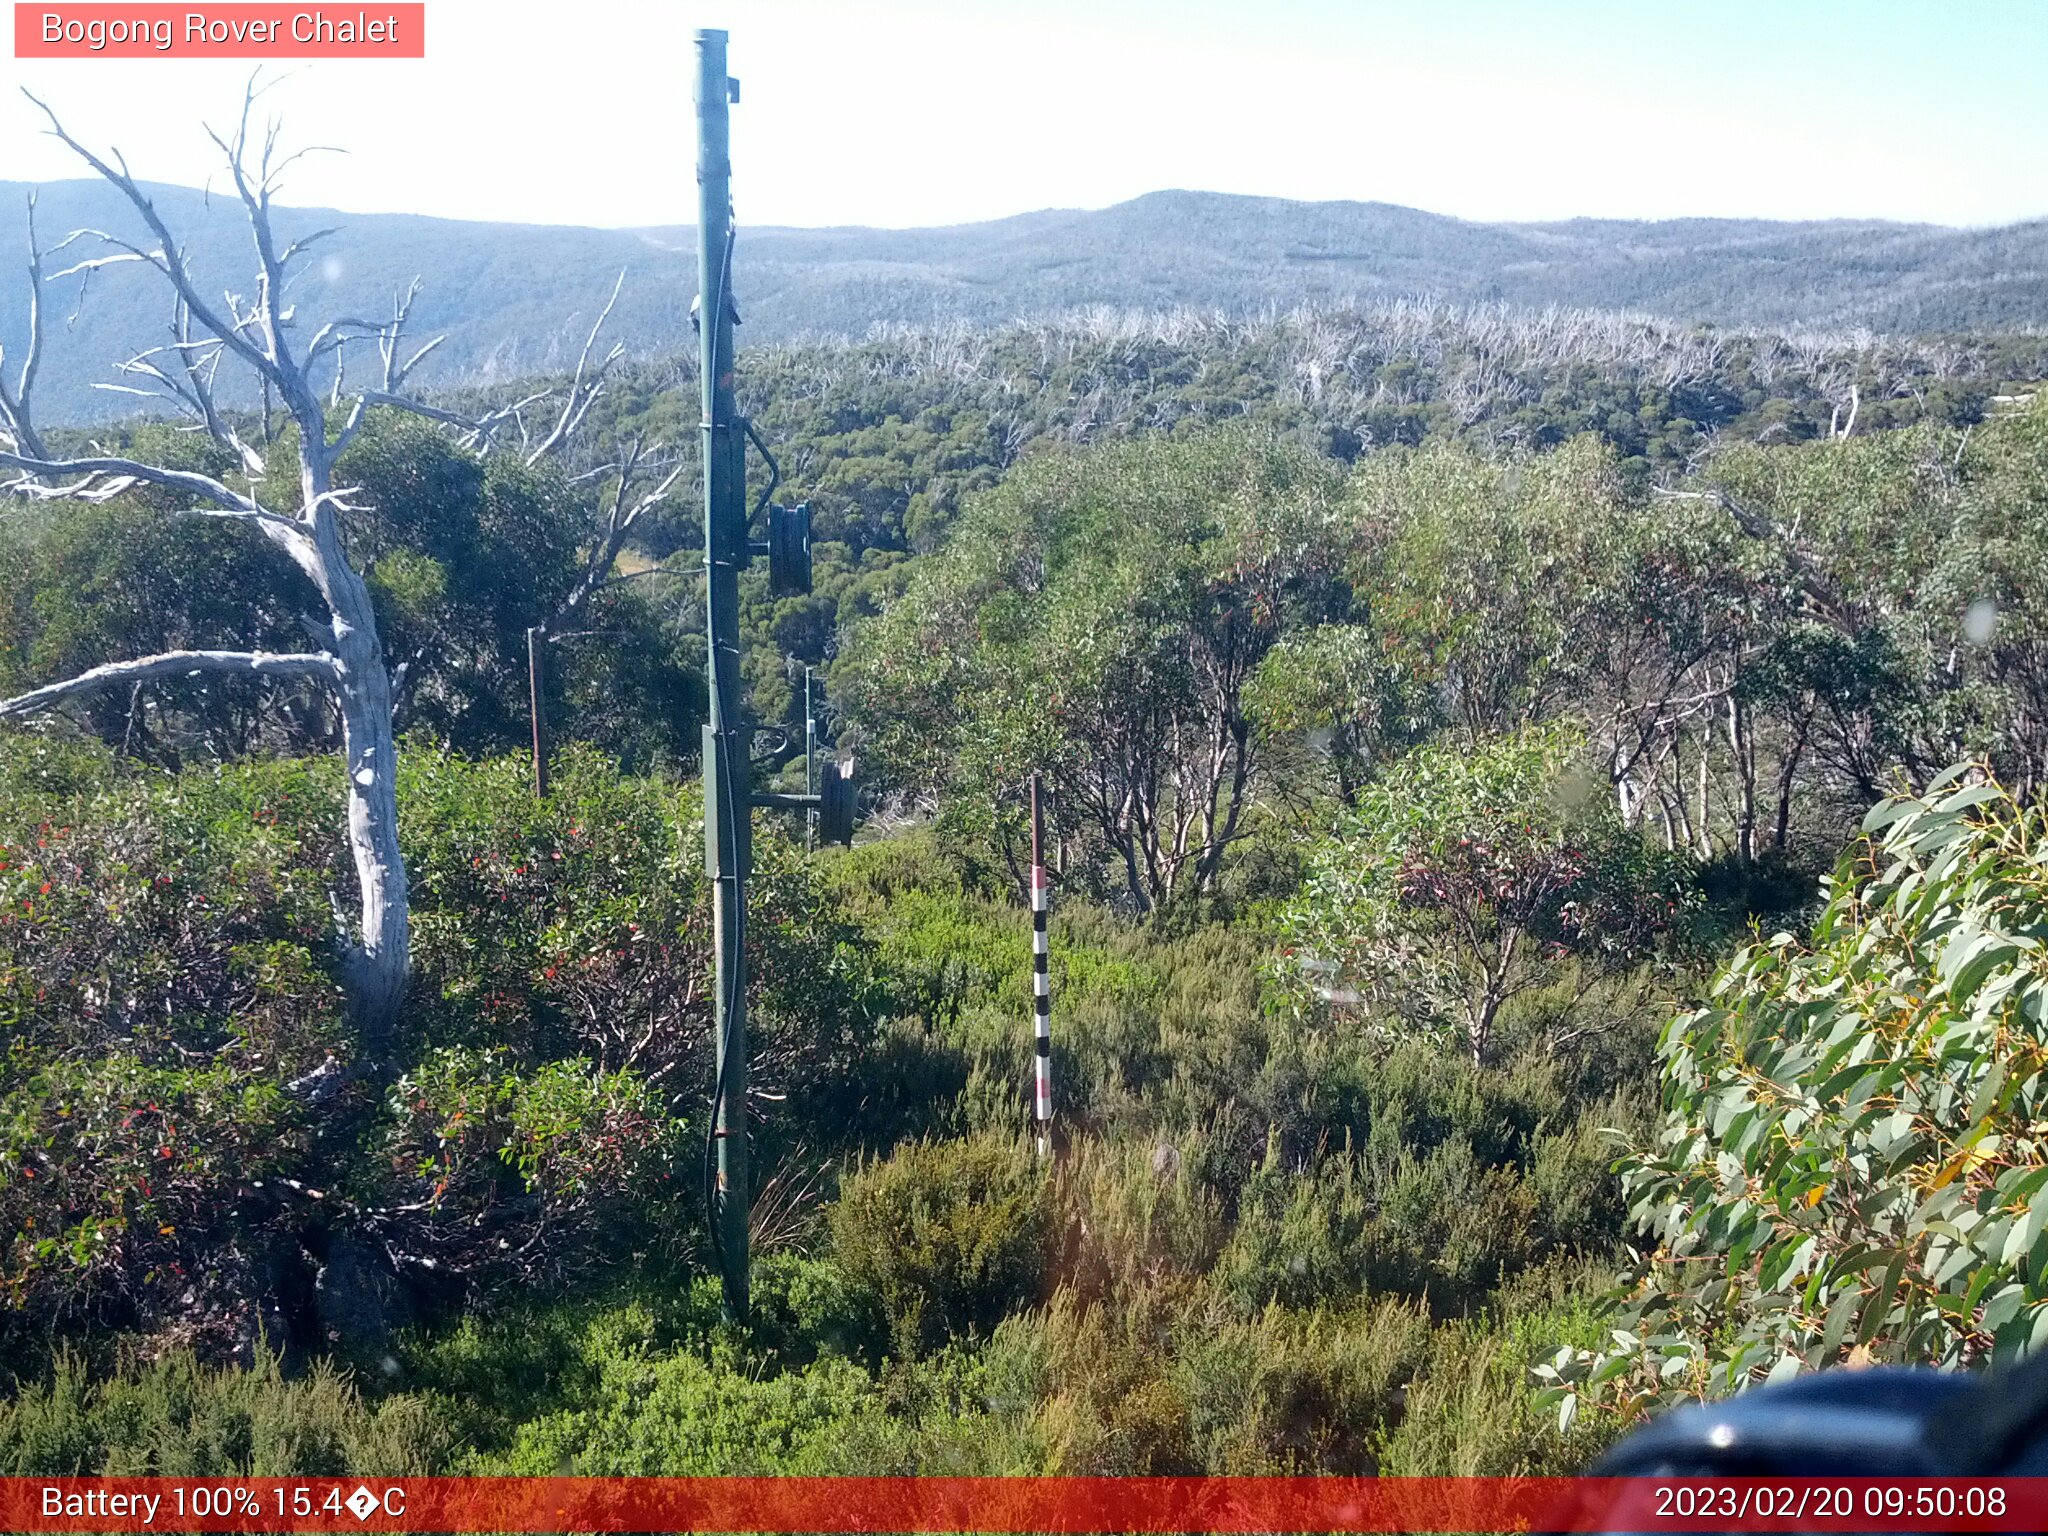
1046 1504
225 31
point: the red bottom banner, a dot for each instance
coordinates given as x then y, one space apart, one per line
1022 1504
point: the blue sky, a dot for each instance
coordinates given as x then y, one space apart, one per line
914 112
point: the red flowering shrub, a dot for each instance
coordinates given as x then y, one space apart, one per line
193 1145
522 1171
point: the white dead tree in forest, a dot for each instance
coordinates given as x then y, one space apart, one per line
638 462
641 478
255 335
260 336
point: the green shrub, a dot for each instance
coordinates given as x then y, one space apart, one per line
151 915
1578 1202
137 1190
178 1418
1473 1415
582 921
684 1416
165 973
1465 878
1449 1227
572 1155
1135 1213
947 1237
1167 1378
1437 1225
1109 1404
1235 1184
1303 1391
532 1355
804 1307
965 1411
182 1080
1302 1235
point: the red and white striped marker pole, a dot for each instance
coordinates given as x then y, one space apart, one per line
1041 980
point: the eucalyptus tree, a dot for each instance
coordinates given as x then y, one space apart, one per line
1996 578
282 487
1906 631
1467 876
1098 618
1333 689
1849 1168
1484 575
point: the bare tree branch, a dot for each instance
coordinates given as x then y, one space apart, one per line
586 385
476 431
106 476
14 403
336 334
93 264
621 578
170 259
395 372
369 397
305 243
173 664
200 359
624 511
270 323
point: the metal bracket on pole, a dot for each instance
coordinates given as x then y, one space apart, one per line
835 803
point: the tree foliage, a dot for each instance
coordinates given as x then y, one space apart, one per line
462 554
1098 619
1850 1165
1464 878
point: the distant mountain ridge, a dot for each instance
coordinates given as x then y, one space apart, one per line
516 299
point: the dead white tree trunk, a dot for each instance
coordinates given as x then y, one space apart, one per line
255 335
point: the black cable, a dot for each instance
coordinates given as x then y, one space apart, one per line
728 812
733 992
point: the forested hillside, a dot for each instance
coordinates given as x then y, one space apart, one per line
516 299
887 438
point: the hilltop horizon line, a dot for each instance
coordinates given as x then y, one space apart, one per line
1157 194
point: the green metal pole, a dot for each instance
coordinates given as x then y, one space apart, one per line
537 693
727 751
